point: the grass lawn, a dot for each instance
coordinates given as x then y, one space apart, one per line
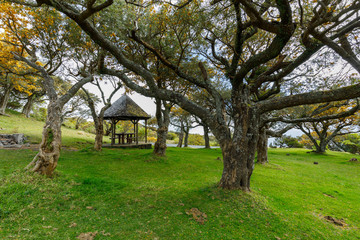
127 194
32 129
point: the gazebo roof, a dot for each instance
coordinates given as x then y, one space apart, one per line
125 109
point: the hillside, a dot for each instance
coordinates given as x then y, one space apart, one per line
129 194
32 129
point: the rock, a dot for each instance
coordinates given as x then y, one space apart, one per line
316 163
12 140
353 160
19 138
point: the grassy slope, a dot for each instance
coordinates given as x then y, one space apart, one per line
16 123
134 196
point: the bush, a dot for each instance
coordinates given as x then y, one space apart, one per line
287 142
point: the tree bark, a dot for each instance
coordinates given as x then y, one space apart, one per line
5 99
206 136
239 151
186 138
181 135
163 121
160 144
46 160
99 133
321 148
262 147
29 103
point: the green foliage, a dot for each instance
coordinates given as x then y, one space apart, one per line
171 136
287 142
196 139
351 143
39 113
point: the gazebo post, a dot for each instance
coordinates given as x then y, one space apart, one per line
137 132
145 130
134 122
112 131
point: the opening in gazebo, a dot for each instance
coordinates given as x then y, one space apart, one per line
125 109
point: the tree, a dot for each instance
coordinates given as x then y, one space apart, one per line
41 33
323 132
183 121
32 98
99 117
13 75
262 144
250 44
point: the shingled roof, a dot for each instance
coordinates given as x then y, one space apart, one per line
125 109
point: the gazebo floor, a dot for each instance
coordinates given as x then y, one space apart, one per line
132 145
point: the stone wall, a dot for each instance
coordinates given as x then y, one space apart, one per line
12 140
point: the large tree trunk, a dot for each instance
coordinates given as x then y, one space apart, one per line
186 138
321 147
163 121
206 136
77 124
46 160
239 151
160 144
29 103
262 147
181 135
5 99
99 133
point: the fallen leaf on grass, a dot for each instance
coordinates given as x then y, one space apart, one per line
198 216
87 236
72 225
104 233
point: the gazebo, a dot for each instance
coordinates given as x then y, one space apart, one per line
125 109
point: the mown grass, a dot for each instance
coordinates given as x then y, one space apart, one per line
129 194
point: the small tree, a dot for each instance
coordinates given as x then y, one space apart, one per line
322 132
35 37
98 118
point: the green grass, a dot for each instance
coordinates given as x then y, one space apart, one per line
128 194
32 129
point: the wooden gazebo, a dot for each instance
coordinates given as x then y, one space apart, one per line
125 109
